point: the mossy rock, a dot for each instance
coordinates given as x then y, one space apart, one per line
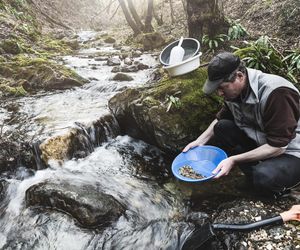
122 77
142 113
151 41
12 91
11 46
109 40
40 74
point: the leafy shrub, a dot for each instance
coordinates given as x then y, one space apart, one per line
262 55
213 42
236 31
293 62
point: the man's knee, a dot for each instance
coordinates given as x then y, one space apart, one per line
264 179
222 127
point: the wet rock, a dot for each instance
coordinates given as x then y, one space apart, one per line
137 53
142 114
132 68
48 78
101 58
14 152
86 203
109 40
80 141
142 66
128 61
113 61
64 147
122 77
3 188
116 69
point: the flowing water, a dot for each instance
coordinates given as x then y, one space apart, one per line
134 173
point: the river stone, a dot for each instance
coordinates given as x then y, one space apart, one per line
128 61
14 153
122 77
116 69
137 53
113 61
80 141
49 77
101 58
142 66
109 40
86 203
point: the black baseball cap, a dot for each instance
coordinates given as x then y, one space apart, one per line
219 68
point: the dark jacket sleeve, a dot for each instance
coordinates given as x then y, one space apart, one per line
281 115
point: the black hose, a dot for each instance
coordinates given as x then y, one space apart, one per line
250 226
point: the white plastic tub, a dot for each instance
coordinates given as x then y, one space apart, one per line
185 66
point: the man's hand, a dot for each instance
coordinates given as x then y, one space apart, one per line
192 145
224 167
292 214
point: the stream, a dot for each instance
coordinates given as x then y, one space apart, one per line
134 173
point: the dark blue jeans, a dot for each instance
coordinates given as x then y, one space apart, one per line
273 175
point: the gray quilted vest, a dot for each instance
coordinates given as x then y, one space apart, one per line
248 113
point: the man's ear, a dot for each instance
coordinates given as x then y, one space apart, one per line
240 74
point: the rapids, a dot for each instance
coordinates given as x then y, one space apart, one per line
133 172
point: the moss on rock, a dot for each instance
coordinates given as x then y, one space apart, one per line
142 113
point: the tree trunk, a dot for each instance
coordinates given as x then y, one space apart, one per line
158 19
184 5
135 15
148 26
172 12
205 17
129 20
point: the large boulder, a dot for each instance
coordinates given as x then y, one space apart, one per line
142 113
88 205
34 74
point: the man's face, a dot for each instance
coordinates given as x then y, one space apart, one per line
231 90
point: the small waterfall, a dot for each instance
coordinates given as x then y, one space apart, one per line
100 131
40 164
104 129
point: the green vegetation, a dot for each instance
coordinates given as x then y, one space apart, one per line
173 100
26 64
213 43
262 54
196 110
236 30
